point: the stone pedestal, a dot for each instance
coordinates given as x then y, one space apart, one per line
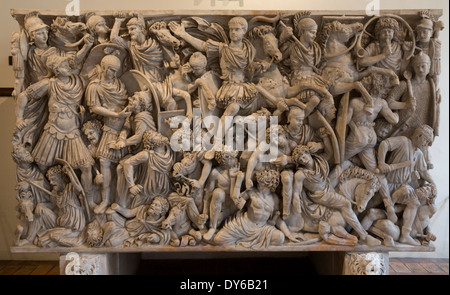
74 263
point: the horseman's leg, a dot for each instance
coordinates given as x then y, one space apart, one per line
217 201
365 96
105 167
287 177
231 110
345 87
312 103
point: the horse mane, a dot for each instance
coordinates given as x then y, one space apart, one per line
322 39
357 172
260 31
157 26
58 23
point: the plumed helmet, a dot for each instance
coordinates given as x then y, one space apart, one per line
33 23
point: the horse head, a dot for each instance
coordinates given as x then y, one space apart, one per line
26 204
163 35
64 32
342 32
266 35
364 192
363 183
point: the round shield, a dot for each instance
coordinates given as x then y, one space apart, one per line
96 55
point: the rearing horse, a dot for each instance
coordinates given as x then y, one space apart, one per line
342 74
340 70
271 84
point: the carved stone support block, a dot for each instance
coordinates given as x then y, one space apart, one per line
369 263
78 263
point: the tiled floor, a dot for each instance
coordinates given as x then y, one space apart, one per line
418 266
397 266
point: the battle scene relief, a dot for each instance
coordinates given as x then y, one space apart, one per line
253 131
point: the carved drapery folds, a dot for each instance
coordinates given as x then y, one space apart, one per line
137 129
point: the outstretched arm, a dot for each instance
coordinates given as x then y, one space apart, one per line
178 30
104 112
81 54
115 38
128 213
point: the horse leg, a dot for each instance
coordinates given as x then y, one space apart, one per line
327 236
231 111
340 232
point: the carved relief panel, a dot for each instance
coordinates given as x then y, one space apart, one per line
139 129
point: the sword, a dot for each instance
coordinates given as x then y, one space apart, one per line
41 188
75 179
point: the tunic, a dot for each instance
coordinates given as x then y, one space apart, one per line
233 63
112 96
148 59
61 136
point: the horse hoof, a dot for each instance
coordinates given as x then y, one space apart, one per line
371 241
